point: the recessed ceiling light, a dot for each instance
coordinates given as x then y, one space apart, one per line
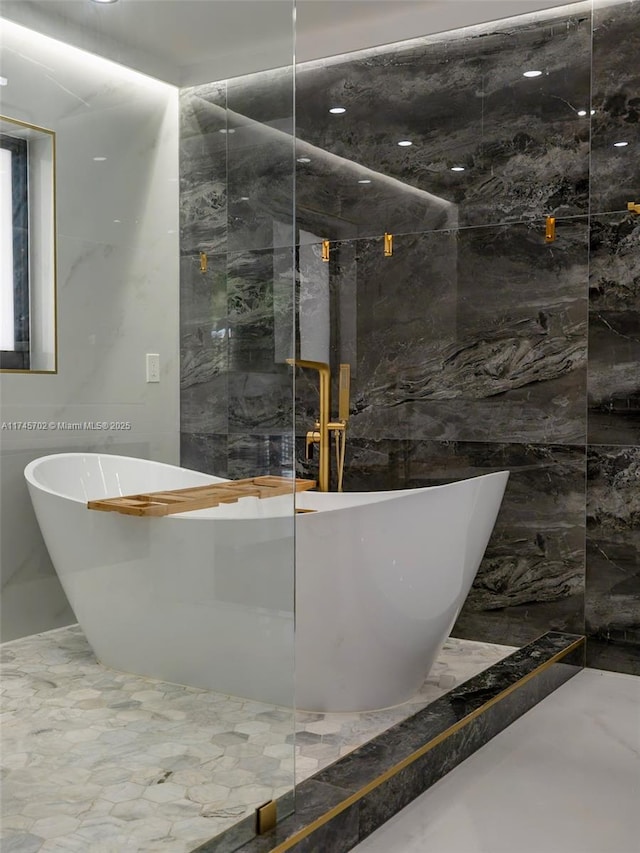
364 181
405 143
226 130
244 198
117 221
3 81
457 168
337 110
304 159
620 144
592 112
105 1
582 112
531 73
99 159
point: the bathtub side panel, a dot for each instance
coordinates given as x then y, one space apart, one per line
379 587
202 602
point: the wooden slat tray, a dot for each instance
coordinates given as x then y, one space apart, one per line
200 497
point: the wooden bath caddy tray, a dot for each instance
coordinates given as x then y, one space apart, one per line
200 497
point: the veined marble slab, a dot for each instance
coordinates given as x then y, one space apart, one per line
615 170
612 601
614 330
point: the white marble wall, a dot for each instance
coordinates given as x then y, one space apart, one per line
118 293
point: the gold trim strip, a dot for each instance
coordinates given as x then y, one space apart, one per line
55 254
9 370
427 747
27 124
54 224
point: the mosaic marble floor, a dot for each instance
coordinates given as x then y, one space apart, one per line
100 760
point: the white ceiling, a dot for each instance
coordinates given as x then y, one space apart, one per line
192 41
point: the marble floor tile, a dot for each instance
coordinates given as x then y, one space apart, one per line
97 759
564 778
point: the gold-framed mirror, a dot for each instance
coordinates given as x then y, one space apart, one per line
28 333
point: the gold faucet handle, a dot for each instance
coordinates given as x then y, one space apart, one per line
634 207
344 388
312 437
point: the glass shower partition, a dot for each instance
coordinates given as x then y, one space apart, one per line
169 708
238 272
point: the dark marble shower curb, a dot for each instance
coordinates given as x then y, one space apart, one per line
344 803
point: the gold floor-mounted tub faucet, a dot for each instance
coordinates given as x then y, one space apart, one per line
324 427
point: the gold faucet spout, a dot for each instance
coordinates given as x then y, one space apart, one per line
324 374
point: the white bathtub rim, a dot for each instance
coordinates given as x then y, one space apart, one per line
394 494
33 481
380 495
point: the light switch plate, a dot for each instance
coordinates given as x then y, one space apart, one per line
153 367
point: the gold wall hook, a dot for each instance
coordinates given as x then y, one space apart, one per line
203 261
634 207
388 245
550 232
325 250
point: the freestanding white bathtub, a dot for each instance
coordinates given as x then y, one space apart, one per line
206 598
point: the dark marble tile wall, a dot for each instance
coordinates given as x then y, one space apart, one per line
206 452
239 455
473 335
231 381
237 180
476 345
462 100
203 169
204 357
236 318
613 484
615 169
614 329
613 417
613 558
